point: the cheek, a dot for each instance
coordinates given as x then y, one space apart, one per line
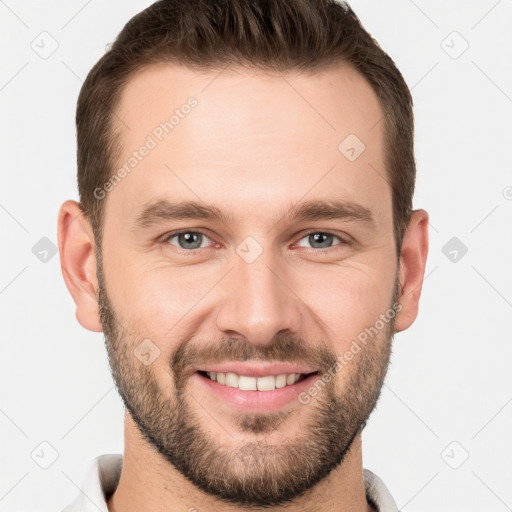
157 299
346 300
161 302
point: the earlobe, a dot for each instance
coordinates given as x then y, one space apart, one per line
78 263
413 260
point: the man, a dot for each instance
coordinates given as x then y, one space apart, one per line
245 240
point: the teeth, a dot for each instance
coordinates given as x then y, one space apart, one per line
281 381
245 383
266 383
232 380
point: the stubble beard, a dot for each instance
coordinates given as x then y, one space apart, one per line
257 473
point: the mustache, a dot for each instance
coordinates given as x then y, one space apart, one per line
283 347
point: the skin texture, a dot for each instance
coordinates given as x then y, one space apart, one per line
255 145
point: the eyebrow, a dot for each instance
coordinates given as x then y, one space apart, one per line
163 210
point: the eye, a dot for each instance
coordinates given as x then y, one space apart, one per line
188 240
320 240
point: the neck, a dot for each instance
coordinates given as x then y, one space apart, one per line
149 483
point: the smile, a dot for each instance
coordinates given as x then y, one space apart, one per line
250 383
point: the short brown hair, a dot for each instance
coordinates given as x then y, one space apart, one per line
273 35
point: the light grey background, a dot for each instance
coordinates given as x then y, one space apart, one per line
440 437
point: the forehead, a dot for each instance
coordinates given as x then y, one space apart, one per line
334 99
248 139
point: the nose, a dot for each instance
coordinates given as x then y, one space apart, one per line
259 301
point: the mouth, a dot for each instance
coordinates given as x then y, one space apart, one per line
252 389
253 383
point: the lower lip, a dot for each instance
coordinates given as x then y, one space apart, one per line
256 401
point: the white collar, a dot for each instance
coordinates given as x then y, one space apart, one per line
105 470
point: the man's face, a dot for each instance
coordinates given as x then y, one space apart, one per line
261 292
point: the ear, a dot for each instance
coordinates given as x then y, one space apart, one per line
412 269
78 263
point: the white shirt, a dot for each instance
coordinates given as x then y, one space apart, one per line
105 470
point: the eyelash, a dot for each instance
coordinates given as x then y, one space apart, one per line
169 236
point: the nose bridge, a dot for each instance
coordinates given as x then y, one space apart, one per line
258 303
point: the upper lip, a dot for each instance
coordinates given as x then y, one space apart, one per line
251 369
